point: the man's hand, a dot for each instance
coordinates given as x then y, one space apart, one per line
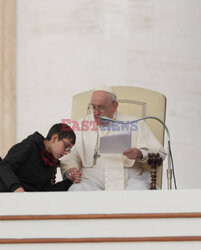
73 174
20 189
133 154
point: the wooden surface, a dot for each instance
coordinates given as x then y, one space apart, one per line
98 240
99 216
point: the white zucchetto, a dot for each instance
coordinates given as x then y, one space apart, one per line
105 89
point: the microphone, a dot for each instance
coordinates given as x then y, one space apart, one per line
170 169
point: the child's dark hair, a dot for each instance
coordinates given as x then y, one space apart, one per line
63 131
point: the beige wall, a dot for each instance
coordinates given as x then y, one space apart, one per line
68 46
7 75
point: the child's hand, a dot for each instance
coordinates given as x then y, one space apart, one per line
20 189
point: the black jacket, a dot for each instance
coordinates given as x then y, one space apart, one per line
24 167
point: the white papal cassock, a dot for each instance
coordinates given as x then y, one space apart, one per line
110 172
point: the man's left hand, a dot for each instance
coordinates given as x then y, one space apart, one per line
133 154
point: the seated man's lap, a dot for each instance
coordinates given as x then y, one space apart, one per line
138 181
135 181
137 184
85 186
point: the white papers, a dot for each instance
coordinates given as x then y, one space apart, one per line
115 144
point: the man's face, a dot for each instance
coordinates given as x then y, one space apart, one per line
103 105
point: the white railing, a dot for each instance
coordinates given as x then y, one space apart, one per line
101 220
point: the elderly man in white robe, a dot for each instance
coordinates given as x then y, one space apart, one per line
90 170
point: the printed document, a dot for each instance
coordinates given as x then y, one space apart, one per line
115 144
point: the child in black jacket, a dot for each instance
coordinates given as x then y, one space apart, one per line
31 164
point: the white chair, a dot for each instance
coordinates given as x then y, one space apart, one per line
133 101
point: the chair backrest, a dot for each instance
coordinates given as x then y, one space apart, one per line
132 101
